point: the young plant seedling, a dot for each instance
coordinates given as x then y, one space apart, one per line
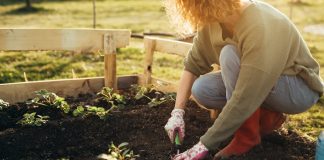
115 99
170 96
50 99
120 152
98 111
30 120
3 104
141 91
79 111
156 101
92 110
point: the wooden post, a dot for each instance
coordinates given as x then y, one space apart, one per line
25 76
73 74
110 61
214 113
94 13
149 46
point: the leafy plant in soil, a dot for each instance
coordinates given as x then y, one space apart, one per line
101 112
3 104
120 152
158 99
79 111
141 91
30 120
114 99
50 99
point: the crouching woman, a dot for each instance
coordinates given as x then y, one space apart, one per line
266 70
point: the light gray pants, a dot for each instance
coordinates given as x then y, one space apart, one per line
290 95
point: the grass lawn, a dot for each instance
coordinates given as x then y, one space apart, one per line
139 16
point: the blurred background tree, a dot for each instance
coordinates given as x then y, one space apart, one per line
28 4
28 7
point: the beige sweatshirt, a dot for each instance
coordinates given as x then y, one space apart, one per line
269 46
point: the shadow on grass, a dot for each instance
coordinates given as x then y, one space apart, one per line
12 2
314 49
321 101
300 3
28 10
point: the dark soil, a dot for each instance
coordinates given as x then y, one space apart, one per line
65 136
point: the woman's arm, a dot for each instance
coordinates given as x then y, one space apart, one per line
176 123
184 91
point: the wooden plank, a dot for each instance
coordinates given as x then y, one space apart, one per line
18 92
125 82
60 39
160 84
164 85
149 46
170 46
110 61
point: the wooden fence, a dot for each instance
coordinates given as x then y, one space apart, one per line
78 40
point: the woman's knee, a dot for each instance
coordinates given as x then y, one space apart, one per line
207 91
229 56
198 87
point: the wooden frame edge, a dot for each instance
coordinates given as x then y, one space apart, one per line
18 92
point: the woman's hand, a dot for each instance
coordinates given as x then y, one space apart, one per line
197 152
176 124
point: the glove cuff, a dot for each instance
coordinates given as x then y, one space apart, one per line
201 146
178 112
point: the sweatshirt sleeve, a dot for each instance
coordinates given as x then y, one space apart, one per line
263 60
202 54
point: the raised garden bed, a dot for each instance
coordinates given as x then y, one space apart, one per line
85 127
137 121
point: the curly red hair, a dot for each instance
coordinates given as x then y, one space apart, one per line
198 13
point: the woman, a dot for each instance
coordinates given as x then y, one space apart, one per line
266 70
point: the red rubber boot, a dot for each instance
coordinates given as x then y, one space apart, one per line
245 138
270 121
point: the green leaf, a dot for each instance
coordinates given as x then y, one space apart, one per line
3 104
32 101
30 115
43 117
91 108
78 111
154 102
101 109
125 152
114 154
122 144
29 119
121 152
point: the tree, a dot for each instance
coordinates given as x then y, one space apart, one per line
28 4
94 13
297 2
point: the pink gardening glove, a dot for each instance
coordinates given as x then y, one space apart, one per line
176 124
197 152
